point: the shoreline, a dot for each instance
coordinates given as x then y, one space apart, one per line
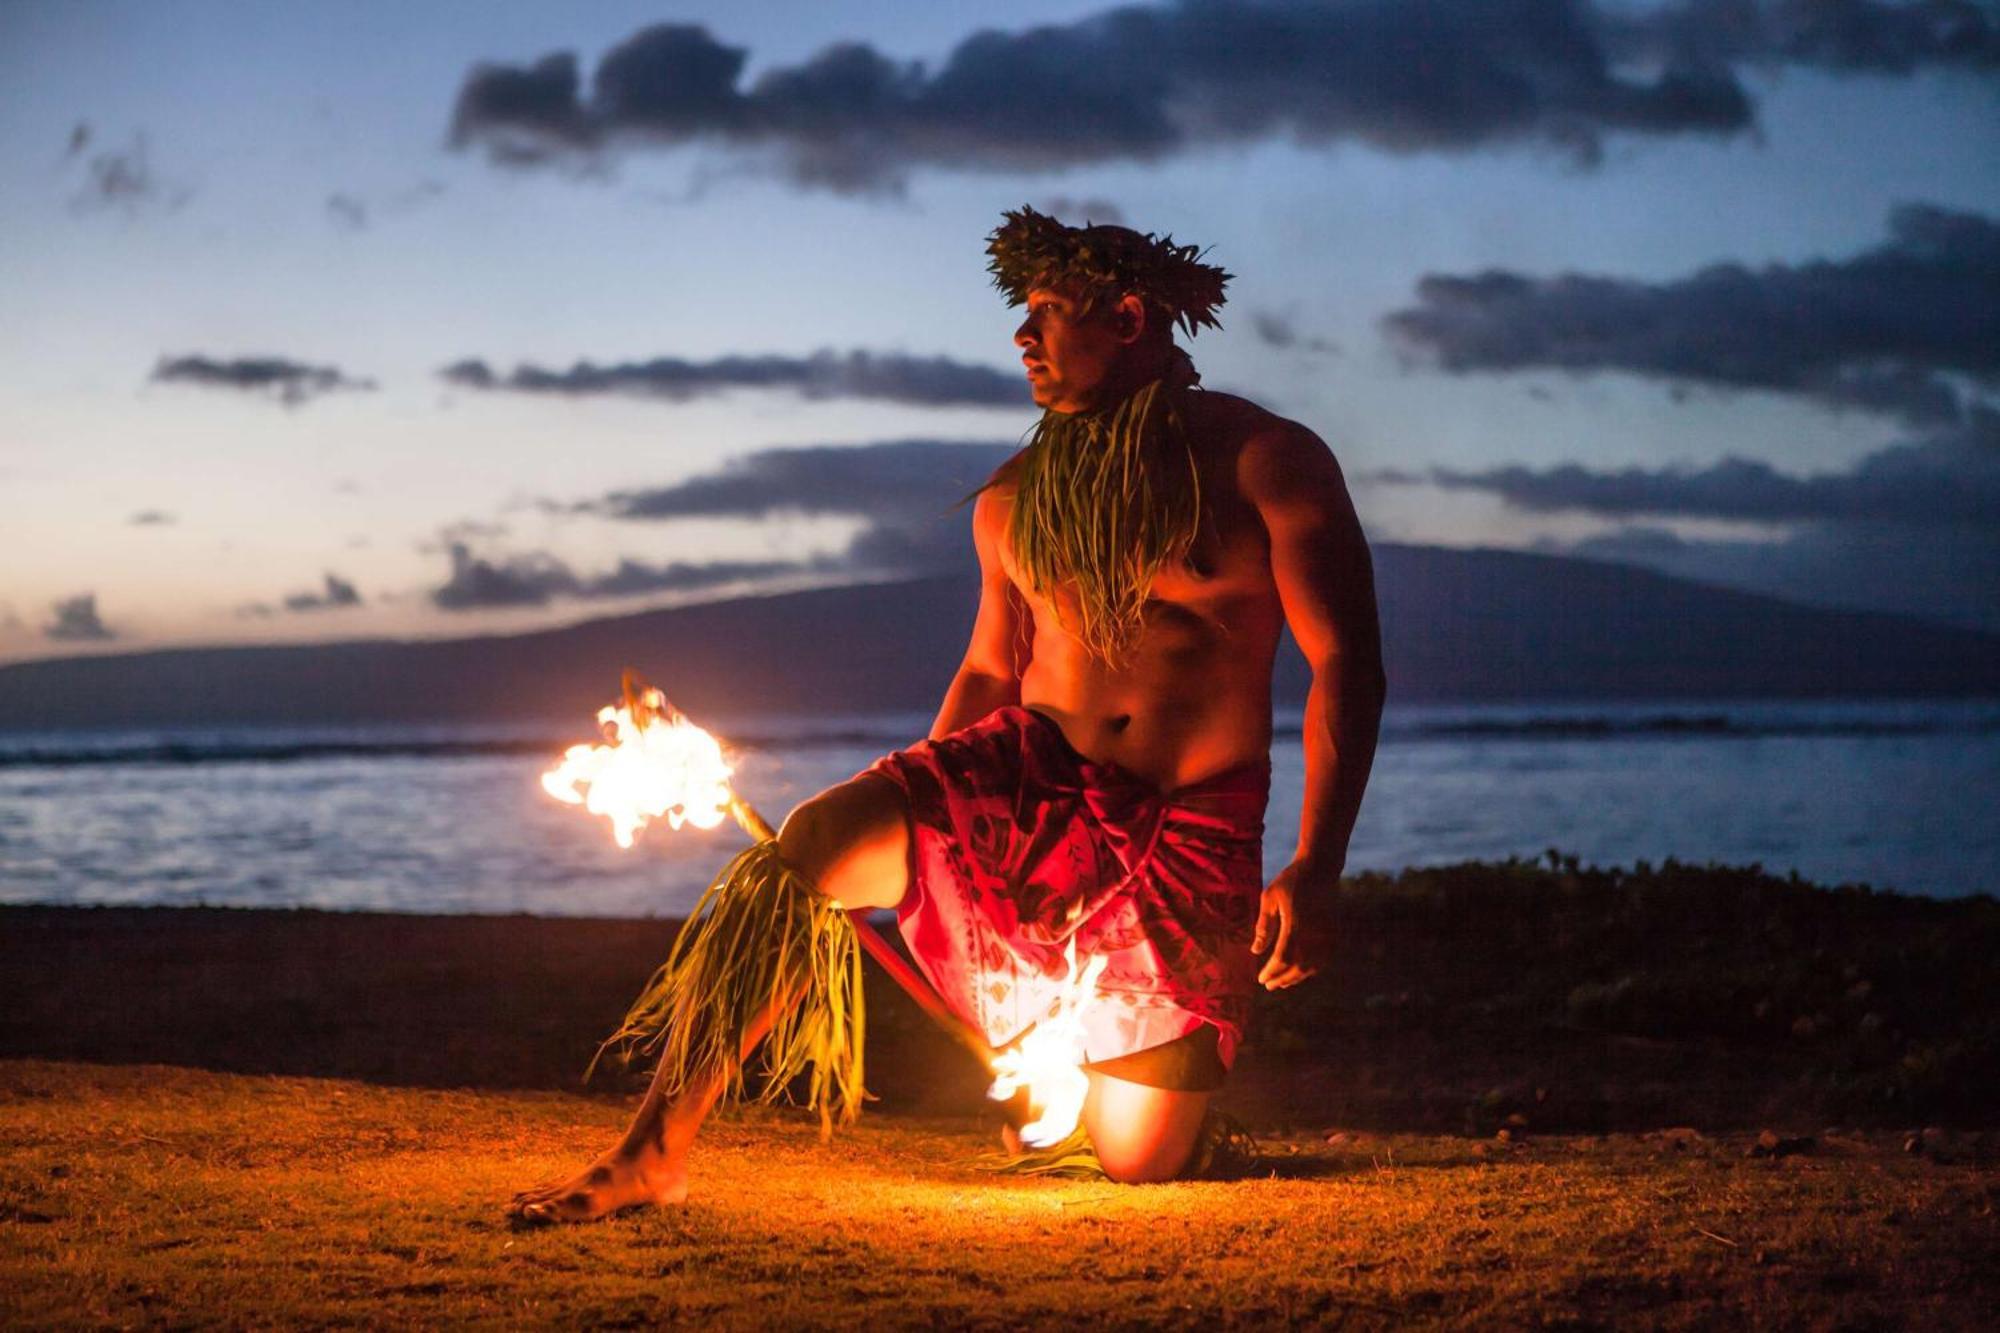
1545 996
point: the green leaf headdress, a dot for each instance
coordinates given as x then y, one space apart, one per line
1032 249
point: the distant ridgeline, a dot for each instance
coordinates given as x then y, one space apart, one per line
1458 625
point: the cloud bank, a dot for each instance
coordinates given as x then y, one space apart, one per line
538 578
907 491
1950 480
1135 83
75 620
1886 330
934 381
119 180
1913 528
334 594
1847 36
292 383
898 480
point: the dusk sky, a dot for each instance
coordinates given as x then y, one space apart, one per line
352 320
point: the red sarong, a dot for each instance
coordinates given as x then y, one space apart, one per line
1020 844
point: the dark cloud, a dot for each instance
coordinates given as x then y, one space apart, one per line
1135 83
335 592
120 180
76 621
1077 212
518 580
1952 479
1885 330
1914 527
934 381
1848 36
909 494
1282 332
901 479
537 578
290 382
348 213
151 518
351 210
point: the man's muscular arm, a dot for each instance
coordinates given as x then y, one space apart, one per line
1326 583
987 679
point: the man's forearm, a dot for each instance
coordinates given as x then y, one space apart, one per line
972 695
1343 718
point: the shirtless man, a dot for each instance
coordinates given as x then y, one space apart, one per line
1184 706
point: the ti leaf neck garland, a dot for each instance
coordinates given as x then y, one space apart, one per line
1103 501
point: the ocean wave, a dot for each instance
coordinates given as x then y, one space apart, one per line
1413 726
53 752
1694 726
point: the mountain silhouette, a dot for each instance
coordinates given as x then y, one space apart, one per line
1457 625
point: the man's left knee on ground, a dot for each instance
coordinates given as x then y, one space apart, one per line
1143 1135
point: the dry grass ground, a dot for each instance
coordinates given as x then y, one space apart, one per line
142 1195
252 1118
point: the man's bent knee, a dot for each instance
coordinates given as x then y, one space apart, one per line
852 841
1142 1135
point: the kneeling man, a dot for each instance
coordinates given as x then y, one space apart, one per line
1097 774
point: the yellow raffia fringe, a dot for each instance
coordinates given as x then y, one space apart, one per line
760 935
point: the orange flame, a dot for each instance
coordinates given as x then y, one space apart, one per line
1048 1060
655 763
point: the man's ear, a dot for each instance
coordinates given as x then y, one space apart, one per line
1128 317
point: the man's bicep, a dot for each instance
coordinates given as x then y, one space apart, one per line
1319 557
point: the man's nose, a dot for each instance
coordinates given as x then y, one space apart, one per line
1026 335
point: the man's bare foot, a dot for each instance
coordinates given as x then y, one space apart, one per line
611 1184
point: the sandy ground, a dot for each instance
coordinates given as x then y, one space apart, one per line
147 1194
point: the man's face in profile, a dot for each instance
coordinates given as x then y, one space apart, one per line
1069 352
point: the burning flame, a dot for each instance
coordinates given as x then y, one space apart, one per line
1048 1061
654 762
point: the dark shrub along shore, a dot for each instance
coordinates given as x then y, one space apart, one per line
1537 997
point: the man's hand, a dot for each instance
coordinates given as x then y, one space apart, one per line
1292 925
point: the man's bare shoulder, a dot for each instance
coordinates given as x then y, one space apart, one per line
994 503
1237 420
996 497
1268 449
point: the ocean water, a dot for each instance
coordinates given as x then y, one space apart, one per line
1898 795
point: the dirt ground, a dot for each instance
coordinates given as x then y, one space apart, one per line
1521 1096
147 1194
